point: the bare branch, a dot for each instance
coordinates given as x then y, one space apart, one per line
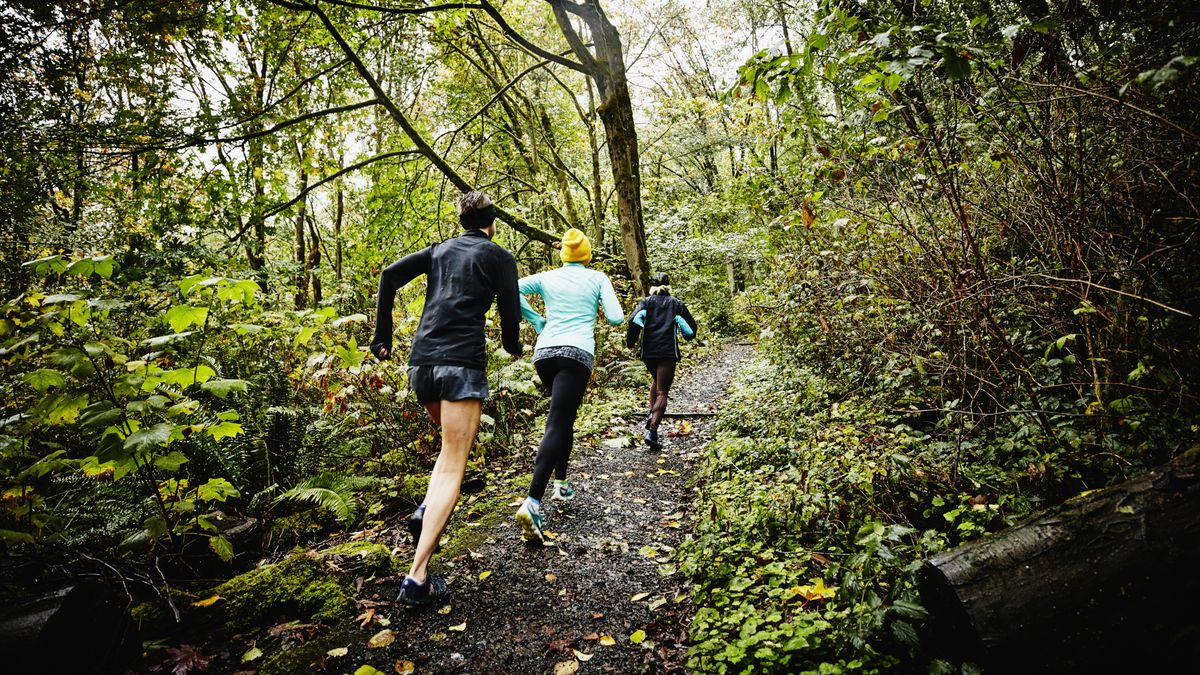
334 176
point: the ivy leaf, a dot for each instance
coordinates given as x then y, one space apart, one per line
146 440
182 316
223 388
224 550
44 378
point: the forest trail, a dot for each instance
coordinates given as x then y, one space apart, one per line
607 573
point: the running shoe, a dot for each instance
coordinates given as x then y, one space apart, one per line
416 594
416 522
531 520
651 438
562 491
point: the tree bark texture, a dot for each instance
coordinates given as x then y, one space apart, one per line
607 67
1105 582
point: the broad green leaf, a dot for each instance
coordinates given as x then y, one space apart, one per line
53 264
83 267
186 377
60 298
43 466
147 440
44 378
223 388
224 430
304 336
61 408
353 318
237 291
170 462
224 550
246 328
73 359
182 316
216 489
229 416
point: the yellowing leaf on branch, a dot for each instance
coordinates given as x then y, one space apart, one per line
815 591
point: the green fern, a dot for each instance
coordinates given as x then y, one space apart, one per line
331 492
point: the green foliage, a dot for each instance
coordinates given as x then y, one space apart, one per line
329 491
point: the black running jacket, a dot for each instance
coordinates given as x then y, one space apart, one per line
659 338
465 274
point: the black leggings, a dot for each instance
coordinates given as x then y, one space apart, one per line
663 373
566 379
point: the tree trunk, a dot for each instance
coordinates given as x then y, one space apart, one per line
1106 582
607 67
301 251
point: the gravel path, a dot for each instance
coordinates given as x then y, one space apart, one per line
603 595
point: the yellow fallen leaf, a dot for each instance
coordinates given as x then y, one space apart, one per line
383 638
484 575
815 591
459 628
550 535
254 653
581 656
405 667
566 667
657 603
444 610
638 596
607 640
438 637
638 637
648 551
338 651
680 598
206 602
551 578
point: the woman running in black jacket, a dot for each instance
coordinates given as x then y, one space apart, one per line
659 318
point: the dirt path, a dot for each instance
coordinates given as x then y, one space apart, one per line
603 595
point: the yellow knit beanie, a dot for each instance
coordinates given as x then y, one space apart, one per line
576 247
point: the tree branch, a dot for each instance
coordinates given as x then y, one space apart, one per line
334 176
516 222
280 126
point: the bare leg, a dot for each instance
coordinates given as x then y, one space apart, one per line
460 421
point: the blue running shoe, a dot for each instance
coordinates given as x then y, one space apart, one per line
531 520
416 594
562 491
651 438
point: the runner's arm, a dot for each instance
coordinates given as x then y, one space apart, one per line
531 285
393 278
508 300
634 331
612 306
683 313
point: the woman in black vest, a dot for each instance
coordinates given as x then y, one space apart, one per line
660 319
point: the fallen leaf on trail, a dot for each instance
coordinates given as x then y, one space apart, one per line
638 636
251 654
549 535
551 578
657 603
648 551
592 636
680 598
406 667
672 516
338 651
581 656
368 670
515 502
597 615
383 621
206 602
365 618
566 667
460 627
603 476
607 640
671 523
484 575
444 610
383 638
638 596
438 637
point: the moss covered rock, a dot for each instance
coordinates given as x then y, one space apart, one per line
372 557
303 585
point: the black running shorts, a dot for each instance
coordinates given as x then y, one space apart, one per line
447 383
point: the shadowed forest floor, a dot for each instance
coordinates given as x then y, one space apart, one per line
602 595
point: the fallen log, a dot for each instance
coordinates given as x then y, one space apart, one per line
1108 581
81 628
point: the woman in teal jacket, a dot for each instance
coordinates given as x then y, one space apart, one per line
563 356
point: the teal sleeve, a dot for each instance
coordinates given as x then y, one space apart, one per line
639 319
531 285
684 328
612 306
